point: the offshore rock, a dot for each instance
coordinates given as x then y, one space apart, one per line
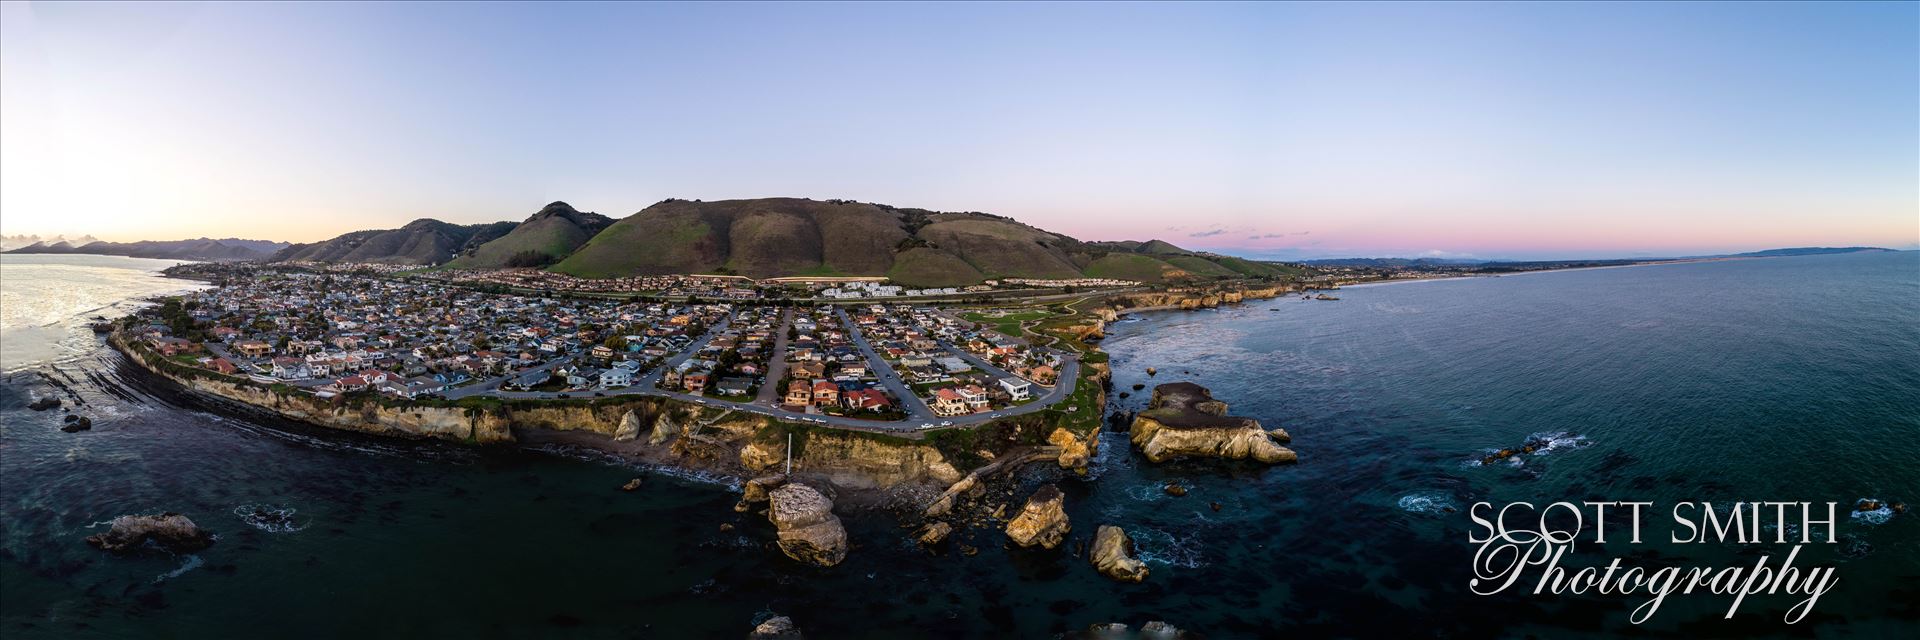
808 530
171 531
1113 555
43 404
776 628
631 485
758 490
1043 521
1183 420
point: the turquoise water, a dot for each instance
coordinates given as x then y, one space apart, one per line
1782 379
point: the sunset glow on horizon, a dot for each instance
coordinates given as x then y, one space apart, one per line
1277 131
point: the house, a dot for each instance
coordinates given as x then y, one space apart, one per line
953 364
734 386
866 400
582 376
602 352
695 381
616 377
807 371
288 368
974 397
825 393
1017 389
223 366
799 393
529 379
253 348
947 402
422 386
224 334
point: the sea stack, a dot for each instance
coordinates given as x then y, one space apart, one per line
1043 521
1112 554
809 532
1183 420
172 531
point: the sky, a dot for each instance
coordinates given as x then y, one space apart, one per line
1268 130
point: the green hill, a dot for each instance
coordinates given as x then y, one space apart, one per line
549 235
424 242
771 237
1133 266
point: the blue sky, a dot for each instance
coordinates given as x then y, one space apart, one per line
1284 130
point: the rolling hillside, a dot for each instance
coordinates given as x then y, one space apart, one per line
423 242
549 235
771 237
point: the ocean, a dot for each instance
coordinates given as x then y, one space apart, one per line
1740 380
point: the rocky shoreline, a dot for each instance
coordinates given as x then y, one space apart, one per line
933 495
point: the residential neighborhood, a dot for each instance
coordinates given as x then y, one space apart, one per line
339 334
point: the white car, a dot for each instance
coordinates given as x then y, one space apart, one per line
946 423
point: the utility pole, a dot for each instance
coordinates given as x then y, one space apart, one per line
789 454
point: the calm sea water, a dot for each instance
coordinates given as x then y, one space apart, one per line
46 300
1779 379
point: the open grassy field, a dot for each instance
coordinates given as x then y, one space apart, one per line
1006 322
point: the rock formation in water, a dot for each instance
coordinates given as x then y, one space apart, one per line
172 531
808 530
1043 521
758 490
1112 554
934 534
1183 420
776 628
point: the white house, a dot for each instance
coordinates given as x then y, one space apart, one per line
616 377
1016 388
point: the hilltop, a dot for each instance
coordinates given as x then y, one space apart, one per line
423 242
552 233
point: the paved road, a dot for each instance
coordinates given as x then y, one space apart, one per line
915 407
776 363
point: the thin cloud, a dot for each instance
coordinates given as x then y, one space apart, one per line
1207 234
1269 236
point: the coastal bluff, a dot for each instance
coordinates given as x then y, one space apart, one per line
1184 421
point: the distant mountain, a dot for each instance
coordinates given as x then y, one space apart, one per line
206 249
9 243
1391 263
552 233
1806 251
423 242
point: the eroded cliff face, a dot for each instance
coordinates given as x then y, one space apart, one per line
1183 420
407 422
1188 300
864 463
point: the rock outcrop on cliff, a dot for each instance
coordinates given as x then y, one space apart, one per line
1074 452
758 490
663 429
1043 521
172 531
1112 554
1183 420
629 428
808 530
